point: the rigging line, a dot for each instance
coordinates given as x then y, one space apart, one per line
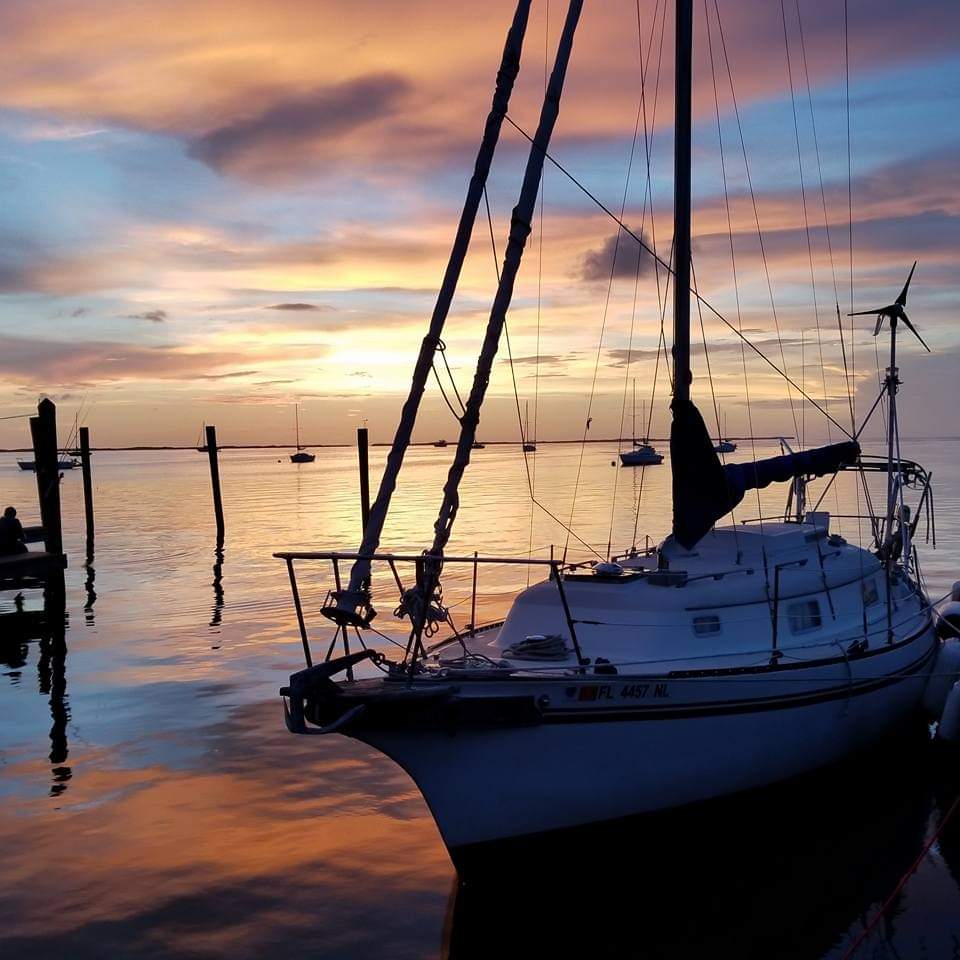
816 147
756 214
866 419
536 366
506 330
648 133
853 340
636 288
806 217
733 256
803 196
658 259
603 327
533 499
661 346
826 218
443 393
443 354
713 396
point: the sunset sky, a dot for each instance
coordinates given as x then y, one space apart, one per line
213 209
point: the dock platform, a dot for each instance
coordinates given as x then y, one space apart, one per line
31 569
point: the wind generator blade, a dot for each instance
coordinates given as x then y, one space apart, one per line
878 311
913 330
876 329
902 299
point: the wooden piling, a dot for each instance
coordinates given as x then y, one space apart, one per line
362 445
215 478
87 482
43 430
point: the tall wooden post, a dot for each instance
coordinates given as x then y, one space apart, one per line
215 478
87 483
43 430
363 456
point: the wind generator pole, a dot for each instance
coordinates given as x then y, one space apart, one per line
350 599
681 203
519 231
893 382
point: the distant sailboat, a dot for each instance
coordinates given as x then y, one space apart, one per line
528 445
642 454
63 463
440 443
722 445
301 456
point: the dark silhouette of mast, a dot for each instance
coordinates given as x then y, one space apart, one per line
681 202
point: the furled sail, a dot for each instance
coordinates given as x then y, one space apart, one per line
704 489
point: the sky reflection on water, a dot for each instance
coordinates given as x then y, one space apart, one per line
156 806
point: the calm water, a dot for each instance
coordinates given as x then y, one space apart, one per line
155 806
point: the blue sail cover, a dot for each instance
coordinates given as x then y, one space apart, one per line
704 489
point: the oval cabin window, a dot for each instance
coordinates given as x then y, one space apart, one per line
804 616
704 626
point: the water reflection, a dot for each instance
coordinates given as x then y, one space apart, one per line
200 827
791 872
216 617
88 588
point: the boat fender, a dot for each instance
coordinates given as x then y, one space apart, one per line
605 569
955 591
949 726
948 619
946 670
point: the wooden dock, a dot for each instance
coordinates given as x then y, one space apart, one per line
31 569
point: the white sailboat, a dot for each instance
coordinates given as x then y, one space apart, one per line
302 455
529 445
642 454
721 660
724 445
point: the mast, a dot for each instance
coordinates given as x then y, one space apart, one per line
519 231
506 75
296 416
681 203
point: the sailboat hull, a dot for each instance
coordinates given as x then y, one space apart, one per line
639 458
584 761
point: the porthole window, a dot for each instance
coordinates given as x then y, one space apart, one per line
705 626
804 616
870 594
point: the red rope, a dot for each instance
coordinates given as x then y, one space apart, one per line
903 881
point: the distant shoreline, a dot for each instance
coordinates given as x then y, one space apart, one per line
451 443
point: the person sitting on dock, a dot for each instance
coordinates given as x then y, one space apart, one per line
12 539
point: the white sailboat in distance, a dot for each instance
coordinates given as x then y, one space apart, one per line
723 659
302 455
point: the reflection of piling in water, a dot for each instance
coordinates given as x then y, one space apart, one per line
52 682
88 587
218 602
